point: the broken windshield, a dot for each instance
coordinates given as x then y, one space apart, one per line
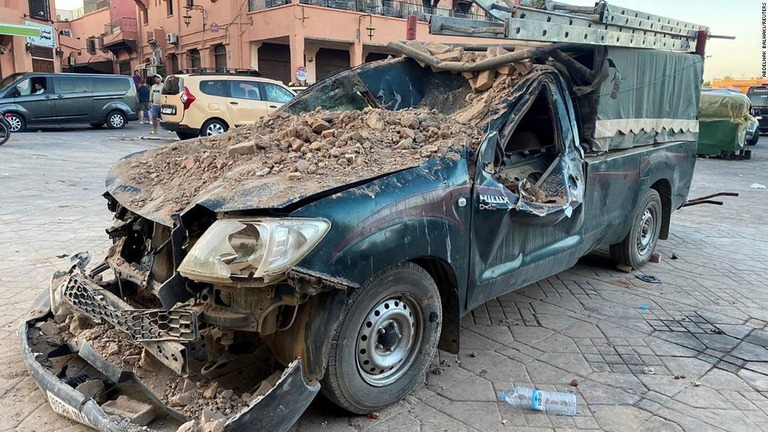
342 92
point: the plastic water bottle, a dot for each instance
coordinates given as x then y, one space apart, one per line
537 400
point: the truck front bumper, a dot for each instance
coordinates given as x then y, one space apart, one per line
49 369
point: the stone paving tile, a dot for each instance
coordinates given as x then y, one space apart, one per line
708 320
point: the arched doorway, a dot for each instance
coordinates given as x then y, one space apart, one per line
194 60
220 58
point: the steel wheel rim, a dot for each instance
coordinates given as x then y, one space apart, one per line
388 340
116 120
15 123
646 232
214 129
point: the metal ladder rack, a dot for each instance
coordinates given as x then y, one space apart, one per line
558 22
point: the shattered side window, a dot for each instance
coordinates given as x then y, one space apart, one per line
529 159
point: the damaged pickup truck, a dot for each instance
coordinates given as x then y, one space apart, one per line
336 245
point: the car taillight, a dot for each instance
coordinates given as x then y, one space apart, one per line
187 98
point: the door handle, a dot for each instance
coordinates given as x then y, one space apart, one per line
233 103
48 97
59 96
273 106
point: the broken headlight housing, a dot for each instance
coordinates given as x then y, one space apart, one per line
232 250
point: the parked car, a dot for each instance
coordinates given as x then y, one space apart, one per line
34 98
207 104
758 96
753 131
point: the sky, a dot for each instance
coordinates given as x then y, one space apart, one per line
739 58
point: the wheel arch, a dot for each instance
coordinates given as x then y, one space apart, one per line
663 187
447 284
202 126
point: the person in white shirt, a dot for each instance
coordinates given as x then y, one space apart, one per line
155 92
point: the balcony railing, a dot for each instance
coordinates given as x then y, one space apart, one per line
390 8
128 25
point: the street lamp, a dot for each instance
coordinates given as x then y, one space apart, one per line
190 7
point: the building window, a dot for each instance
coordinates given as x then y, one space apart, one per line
173 64
40 9
194 60
90 45
169 3
144 15
220 58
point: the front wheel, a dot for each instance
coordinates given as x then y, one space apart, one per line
637 247
385 341
755 138
15 122
116 120
5 133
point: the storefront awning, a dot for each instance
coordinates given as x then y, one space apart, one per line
19 30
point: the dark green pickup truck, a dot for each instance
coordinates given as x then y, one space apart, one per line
354 286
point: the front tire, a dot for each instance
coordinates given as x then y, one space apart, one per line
385 341
116 120
637 247
755 139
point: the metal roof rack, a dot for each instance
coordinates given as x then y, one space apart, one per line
245 72
559 22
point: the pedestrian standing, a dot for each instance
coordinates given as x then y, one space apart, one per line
142 95
155 93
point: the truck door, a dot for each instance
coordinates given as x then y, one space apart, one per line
527 194
72 98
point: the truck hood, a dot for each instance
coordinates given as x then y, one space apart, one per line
282 160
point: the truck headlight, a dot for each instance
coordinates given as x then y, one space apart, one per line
232 250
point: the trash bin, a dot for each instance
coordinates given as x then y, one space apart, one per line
723 120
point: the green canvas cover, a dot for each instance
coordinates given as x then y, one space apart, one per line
648 97
723 118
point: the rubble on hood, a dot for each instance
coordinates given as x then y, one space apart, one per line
289 156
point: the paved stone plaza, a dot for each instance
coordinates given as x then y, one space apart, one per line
690 353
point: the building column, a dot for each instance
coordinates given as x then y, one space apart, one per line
255 55
296 40
356 56
310 55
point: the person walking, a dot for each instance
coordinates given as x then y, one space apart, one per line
142 96
155 93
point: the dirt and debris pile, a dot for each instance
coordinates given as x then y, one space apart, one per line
287 156
490 87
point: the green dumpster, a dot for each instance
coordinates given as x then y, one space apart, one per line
723 120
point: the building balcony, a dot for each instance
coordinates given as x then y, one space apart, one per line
121 34
386 8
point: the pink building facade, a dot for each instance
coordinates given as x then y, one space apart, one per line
275 37
25 54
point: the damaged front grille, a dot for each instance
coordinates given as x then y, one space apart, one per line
144 325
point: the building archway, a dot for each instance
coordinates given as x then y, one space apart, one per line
194 60
220 58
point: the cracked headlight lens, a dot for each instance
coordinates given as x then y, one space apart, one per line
232 250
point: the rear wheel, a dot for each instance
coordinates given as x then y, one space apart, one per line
385 341
213 127
15 122
637 247
116 120
185 135
755 138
